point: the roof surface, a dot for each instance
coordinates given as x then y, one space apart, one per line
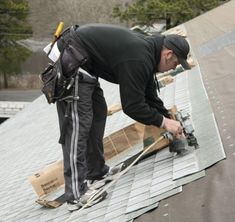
32 134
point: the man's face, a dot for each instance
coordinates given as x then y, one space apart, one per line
168 61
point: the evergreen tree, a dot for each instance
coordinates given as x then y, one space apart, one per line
173 11
13 27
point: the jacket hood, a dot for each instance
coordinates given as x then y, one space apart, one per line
157 41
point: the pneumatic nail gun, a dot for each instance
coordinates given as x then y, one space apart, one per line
179 146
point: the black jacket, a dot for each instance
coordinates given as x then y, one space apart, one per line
129 59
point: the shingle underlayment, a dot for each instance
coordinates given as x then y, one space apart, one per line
29 143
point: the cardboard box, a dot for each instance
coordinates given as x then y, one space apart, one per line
49 185
130 136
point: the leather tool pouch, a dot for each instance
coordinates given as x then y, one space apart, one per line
58 78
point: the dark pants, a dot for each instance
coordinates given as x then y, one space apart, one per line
83 144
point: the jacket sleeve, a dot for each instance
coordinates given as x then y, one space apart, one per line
152 98
133 79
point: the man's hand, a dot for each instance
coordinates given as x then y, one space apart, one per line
173 127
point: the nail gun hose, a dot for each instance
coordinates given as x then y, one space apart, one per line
101 191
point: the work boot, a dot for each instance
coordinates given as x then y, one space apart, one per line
72 205
86 197
109 176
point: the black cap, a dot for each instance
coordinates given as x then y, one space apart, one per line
179 46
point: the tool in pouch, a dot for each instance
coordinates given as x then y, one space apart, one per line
56 36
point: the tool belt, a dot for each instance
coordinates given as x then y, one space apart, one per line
59 77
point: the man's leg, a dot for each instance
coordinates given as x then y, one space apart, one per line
95 151
66 147
75 144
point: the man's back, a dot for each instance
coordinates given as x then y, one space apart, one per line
111 45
